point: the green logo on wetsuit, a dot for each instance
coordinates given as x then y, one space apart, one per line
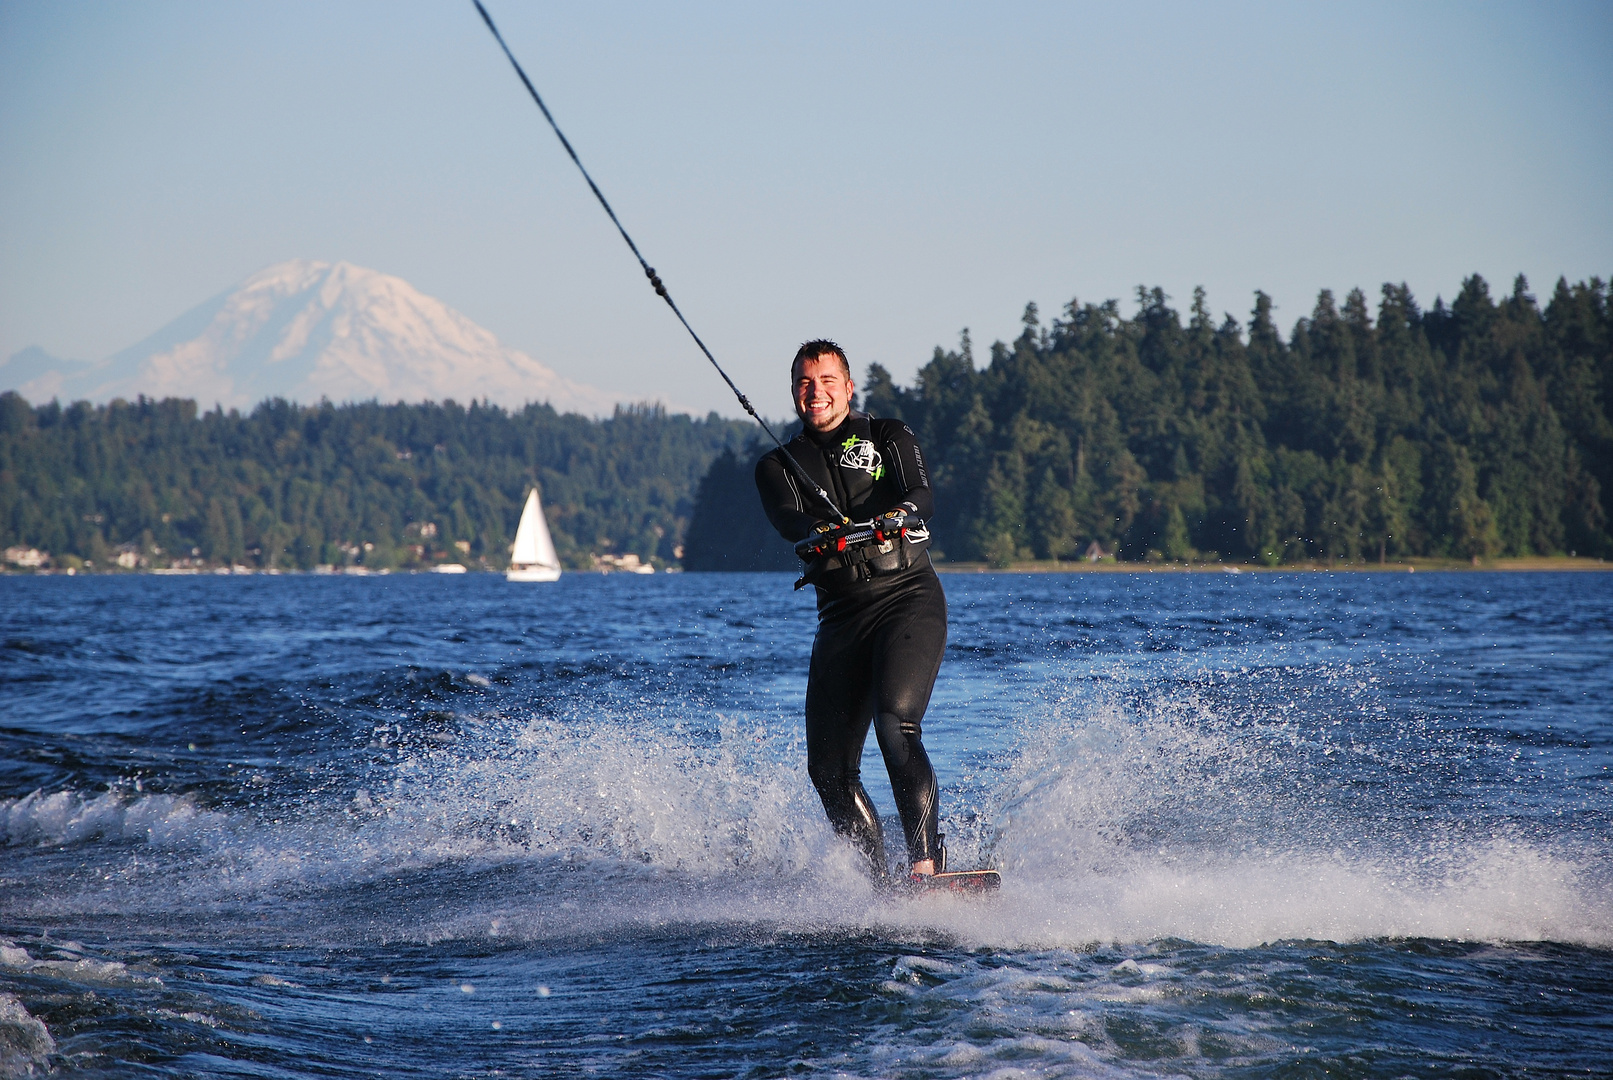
860 454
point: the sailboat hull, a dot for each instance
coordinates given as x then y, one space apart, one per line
532 573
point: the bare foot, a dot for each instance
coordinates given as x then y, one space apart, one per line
925 867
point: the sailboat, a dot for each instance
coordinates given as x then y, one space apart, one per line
534 558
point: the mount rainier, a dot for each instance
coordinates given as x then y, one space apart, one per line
307 330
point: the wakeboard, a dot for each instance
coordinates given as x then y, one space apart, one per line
968 882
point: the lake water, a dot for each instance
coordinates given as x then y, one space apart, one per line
1274 825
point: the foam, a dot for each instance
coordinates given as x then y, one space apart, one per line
539 792
82 970
25 1042
1500 890
1172 822
1111 825
67 817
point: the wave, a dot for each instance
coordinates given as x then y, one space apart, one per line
1173 818
25 1043
1112 823
67 817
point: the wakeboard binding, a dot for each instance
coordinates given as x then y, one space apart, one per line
955 881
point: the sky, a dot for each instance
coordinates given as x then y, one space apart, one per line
882 174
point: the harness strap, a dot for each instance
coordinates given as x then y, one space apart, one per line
868 558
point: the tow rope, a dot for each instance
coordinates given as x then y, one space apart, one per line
649 272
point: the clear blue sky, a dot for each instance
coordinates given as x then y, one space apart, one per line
882 174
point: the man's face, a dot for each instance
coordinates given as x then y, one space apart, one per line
822 392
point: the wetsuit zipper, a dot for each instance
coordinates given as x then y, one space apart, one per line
842 496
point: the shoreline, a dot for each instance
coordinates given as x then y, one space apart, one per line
1528 564
1525 564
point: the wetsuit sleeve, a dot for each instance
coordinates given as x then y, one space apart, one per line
783 499
907 467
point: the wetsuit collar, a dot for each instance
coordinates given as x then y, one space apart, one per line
830 438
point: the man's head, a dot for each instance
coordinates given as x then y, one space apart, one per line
821 385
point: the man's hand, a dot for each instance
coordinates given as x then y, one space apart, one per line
825 536
890 524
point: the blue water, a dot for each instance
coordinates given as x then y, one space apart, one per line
1282 825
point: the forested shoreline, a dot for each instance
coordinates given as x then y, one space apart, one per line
1470 430
382 486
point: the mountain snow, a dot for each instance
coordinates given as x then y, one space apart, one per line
306 330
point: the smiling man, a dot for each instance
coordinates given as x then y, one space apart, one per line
882 617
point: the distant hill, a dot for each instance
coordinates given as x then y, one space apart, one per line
303 331
37 375
728 529
1469 430
1479 428
159 484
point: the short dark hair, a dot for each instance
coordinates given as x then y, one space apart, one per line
812 350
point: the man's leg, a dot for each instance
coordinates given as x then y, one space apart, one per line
838 711
913 783
907 658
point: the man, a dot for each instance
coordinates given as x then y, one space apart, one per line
882 617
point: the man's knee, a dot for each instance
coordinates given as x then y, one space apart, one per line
906 701
831 775
907 724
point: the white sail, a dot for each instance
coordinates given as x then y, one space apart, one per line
534 557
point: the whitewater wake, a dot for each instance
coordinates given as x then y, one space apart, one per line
1111 824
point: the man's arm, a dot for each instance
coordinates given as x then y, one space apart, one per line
907 467
783 499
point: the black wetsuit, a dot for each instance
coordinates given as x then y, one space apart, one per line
882 626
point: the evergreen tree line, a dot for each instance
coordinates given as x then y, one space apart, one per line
728 529
383 486
1475 429
1472 430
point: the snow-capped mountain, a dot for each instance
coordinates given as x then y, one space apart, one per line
307 330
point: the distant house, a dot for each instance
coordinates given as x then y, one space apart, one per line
29 557
1095 552
628 563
